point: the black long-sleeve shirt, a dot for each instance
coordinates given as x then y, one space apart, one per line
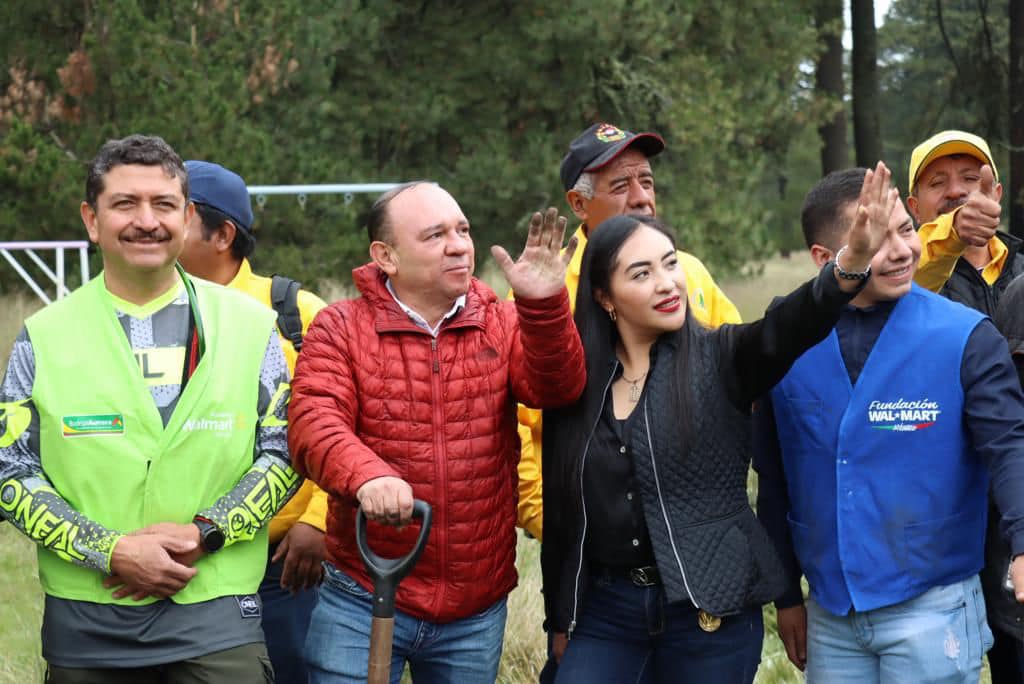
993 414
754 357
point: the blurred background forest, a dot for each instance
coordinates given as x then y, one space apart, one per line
755 100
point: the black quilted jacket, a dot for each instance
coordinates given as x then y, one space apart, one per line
709 547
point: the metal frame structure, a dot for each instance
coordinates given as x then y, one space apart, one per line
348 190
56 274
257 192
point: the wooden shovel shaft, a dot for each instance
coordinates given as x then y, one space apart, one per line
382 632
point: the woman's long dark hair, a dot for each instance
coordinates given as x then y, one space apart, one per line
600 338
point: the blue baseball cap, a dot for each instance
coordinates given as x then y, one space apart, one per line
213 185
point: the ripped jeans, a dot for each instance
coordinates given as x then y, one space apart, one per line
937 637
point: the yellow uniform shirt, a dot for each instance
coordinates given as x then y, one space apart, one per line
940 249
709 305
309 505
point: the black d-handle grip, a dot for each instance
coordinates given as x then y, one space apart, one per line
386 573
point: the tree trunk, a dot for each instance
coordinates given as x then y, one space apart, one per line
867 133
1017 118
828 81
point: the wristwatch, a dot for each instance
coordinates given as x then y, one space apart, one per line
211 539
850 275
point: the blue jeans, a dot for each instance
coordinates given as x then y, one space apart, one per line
939 636
285 622
630 634
466 651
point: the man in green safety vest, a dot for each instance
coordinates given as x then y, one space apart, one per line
143 446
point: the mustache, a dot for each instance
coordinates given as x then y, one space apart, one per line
139 234
950 205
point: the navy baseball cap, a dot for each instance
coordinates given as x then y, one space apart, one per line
224 190
600 145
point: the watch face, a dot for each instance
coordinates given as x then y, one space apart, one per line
213 539
210 536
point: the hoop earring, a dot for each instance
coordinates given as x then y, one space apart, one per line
612 315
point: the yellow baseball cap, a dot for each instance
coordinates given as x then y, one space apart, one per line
944 144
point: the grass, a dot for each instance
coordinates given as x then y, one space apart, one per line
21 600
525 645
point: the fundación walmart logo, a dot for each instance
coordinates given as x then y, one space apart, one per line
902 415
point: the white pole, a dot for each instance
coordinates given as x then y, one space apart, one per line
61 290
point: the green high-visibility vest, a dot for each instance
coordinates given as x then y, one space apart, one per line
104 447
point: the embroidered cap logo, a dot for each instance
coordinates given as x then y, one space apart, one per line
607 133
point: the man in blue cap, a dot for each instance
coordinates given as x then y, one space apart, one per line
217 248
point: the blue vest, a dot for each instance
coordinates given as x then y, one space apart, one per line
888 499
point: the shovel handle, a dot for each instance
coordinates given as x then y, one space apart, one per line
382 632
386 573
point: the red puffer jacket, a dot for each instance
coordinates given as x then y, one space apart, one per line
375 395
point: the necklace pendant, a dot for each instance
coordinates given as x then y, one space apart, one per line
634 392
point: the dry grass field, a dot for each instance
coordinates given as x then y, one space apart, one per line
20 597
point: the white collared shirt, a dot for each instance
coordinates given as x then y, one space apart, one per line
460 302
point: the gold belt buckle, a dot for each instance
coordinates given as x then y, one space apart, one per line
707 621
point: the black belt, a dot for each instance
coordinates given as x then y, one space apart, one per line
642 576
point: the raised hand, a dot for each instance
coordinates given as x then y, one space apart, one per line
871 221
540 270
978 219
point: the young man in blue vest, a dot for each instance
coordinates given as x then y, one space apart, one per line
143 447
875 455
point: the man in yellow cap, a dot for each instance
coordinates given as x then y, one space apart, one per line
954 195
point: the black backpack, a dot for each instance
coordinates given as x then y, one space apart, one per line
284 297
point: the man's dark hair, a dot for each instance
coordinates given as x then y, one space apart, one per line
378 228
212 219
822 214
147 150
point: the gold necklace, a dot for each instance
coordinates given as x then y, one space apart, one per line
634 387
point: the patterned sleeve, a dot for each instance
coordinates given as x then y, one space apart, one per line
27 498
270 482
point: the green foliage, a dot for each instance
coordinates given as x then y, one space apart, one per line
929 85
482 97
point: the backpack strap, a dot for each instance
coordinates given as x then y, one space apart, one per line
284 297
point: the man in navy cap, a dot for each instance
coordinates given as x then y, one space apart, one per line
606 172
217 248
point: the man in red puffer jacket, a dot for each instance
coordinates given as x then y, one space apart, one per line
409 391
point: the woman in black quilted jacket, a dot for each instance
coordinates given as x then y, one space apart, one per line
655 568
